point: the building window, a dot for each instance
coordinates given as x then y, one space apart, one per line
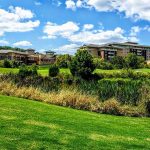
99 53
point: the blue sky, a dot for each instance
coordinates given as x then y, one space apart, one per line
64 25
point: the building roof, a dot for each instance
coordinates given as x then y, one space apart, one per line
12 51
130 44
117 45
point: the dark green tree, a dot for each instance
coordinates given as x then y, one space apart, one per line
82 64
7 64
53 70
118 62
133 61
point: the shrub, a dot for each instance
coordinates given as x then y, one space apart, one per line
82 64
53 70
107 65
15 64
1 63
133 61
118 62
25 71
63 61
98 63
102 64
7 64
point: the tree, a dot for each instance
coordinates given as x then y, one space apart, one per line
133 61
25 71
63 60
53 70
82 64
7 64
118 62
102 64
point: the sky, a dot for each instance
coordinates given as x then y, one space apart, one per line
64 25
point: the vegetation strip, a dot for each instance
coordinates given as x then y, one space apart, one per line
71 98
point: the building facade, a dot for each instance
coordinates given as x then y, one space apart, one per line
108 51
28 57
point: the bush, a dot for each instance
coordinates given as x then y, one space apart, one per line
107 65
63 61
1 63
15 64
7 64
25 71
118 62
53 70
133 61
102 64
82 64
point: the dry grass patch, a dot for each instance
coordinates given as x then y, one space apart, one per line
70 98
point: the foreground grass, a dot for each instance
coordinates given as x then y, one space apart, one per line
33 125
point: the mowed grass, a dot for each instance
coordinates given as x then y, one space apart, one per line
43 70
29 125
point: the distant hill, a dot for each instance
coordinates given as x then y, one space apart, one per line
11 48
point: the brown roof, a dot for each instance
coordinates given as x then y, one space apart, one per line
12 51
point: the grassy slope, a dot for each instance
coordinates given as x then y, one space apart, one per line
33 125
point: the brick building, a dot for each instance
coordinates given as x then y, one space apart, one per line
28 57
107 51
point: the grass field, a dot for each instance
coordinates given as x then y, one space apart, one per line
43 70
33 125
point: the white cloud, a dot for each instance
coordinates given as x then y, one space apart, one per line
147 28
133 39
101 5
67 49
98 36
79 3
20 13
37 3
16 19
23 43
88 26
70 4
53 30
4 42
137 9
88 34
135 30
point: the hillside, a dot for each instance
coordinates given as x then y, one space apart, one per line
33 125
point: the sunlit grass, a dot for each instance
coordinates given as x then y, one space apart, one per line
34 125
43 70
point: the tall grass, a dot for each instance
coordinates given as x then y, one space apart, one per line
69 98
126 91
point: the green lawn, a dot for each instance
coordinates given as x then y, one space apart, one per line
38 126
43 70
